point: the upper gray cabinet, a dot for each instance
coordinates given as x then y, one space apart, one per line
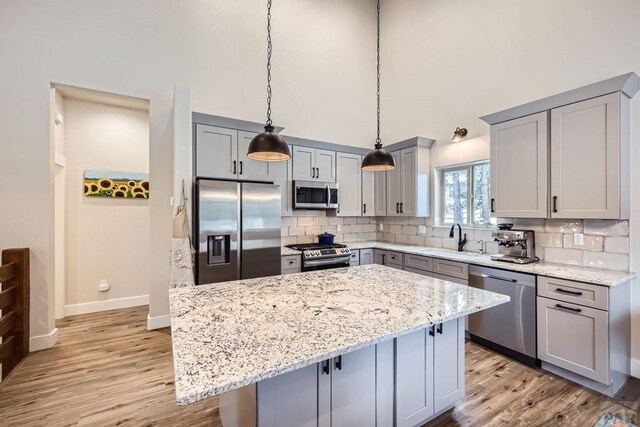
380 188
565 156
408 183
590 158
519 151
349 179
222 153
369 192
312 164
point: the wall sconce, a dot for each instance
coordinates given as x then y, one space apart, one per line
459 134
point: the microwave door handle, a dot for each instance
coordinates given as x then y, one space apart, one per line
328 195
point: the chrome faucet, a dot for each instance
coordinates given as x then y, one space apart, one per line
461 241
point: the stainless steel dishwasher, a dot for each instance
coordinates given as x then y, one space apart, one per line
509 328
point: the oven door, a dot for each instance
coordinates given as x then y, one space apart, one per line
315 195
327 263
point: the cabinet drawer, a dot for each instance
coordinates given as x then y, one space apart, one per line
394 258
458 270
575 338
355 257
574 292
291 262
450 279
418 262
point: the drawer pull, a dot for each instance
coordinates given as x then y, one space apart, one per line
339 363
564 291
432 330
439 329
291 261
577 310
325 367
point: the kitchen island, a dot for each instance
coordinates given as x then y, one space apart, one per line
367 345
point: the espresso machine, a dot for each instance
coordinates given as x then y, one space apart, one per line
515 246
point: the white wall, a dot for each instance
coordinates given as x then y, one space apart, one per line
445 63
323 81
106 238
60 188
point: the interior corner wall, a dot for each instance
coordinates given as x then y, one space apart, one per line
60 188
106 237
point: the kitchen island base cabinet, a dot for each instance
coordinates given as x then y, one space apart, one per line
420 374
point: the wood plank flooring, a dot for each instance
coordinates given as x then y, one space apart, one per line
108 370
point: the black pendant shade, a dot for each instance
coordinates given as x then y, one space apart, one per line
269 147
378 160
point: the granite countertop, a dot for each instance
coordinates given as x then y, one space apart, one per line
596 276
228 335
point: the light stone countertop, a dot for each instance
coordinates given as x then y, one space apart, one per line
228 335
596 276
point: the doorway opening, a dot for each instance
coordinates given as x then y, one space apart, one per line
101 190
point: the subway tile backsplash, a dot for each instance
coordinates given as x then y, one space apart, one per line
606 242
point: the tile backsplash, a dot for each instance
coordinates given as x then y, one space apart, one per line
606 242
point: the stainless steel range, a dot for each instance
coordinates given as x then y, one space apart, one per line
321 257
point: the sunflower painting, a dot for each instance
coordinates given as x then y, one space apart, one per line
131 185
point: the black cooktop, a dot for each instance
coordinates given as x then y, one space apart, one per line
314 246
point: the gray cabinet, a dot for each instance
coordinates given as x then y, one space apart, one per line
590 158
280 173
380 188
368 193
222 153
366 256
312 164
519 170
291 264
353 389
429 372
216 152
289 400
349 179
388 258
408 183
354 257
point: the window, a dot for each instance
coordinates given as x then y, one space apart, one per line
465 195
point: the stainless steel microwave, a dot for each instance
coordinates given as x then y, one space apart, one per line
315 195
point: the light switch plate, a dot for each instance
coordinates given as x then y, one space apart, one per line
381 227
338 228
578 239
422 229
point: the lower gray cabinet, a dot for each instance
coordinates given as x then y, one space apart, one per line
353 389
388 258
366 256
354 259
429 372
289 400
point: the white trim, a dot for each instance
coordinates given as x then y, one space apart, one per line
60 159
43 342
158 322
635 368
110 304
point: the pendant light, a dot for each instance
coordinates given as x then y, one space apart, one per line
378 159
268 146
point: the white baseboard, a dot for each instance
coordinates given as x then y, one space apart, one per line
43 342
158 322
110 304
635 368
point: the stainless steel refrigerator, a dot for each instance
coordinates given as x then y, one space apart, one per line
238 229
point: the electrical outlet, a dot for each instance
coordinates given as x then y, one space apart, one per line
103 286
381 227
338 228
578 239
422 229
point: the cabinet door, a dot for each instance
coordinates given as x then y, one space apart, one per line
325 166
379 257
349 184
304 163
448 364
368 193
249 169
408 159
414 377
380 185
353 389
585 159
216 152
519 150
366 256
394 187
280 174
574 337
290 399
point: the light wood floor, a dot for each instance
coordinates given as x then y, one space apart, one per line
108 370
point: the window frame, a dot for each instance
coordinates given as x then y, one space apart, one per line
469 167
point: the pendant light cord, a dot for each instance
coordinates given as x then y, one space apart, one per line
378 140
269 49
